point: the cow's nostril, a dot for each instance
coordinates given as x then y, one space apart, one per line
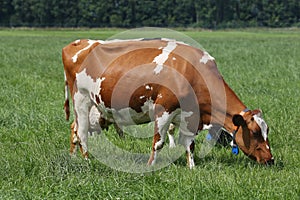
270 162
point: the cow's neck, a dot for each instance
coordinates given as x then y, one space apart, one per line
222 113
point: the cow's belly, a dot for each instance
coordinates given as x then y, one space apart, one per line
128 116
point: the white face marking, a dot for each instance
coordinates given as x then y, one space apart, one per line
206 57
163 57
267 146
263 126
91 42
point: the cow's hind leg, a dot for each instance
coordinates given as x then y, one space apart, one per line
82 105
73 139
161 126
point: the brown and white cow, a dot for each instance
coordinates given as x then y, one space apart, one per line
162 80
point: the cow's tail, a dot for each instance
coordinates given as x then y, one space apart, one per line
67 102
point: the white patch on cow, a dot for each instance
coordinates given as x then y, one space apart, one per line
262 125
74 139
163 57
171 141
206 57
158 145
173 58
118 40
154 158
181 119
159 96
66 88
158 69
77 41
82 104
267 146
128 116
184 124
171 136
141 97
148 87
87 84
94 117
207 127
172 40
162 121
90 42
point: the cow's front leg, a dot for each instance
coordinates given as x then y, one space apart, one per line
82 105
189 143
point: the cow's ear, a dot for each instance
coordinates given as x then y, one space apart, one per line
257 112
238 120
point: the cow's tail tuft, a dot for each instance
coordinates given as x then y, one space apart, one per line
67 102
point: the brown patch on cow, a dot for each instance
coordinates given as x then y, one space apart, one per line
67 109
97 99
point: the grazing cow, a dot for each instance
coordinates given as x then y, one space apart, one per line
161 80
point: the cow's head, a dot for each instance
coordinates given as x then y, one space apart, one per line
252 136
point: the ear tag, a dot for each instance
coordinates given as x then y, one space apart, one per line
235 150
208 137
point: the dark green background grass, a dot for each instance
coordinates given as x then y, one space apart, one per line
261 66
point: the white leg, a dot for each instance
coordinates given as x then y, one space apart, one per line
171 133
82 105
161 126
189 144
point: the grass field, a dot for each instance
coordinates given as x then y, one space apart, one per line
261 66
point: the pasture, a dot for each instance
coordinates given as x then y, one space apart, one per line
262 67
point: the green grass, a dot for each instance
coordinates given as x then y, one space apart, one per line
262 67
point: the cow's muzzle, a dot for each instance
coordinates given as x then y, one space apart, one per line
270 162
